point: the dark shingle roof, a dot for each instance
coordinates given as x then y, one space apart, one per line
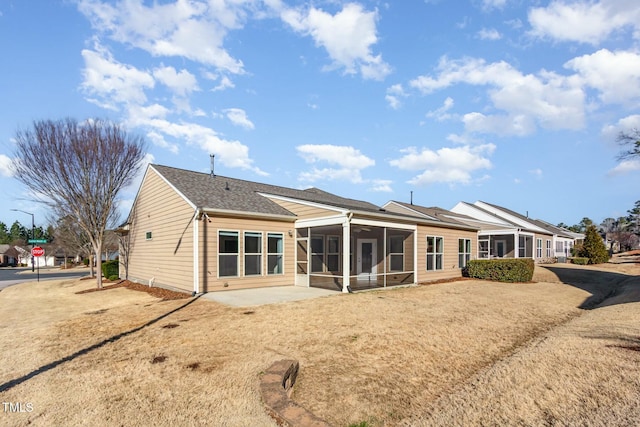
438 214
219 192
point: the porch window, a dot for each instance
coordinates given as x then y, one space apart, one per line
333 253
396 253
464 252
525 246
275 253
549 254
538 248
252 254
560 247
317 254
227 253
435 252
483 249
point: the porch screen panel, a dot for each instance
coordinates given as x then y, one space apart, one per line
252 254
396 253
483 248
317 254
275 253
302 266
228 253
333 253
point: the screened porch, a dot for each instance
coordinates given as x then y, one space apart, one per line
376 257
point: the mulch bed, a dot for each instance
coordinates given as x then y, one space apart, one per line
163 294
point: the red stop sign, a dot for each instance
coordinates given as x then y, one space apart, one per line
37 251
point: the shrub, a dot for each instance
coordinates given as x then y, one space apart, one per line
593 247
85 262
110 268
114 277
502 270
580 260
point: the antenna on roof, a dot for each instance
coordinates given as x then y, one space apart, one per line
412 197
212 157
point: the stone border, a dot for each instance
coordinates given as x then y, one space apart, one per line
276 386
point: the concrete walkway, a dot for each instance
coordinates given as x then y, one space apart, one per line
261 296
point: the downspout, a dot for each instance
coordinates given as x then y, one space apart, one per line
196 253
346 240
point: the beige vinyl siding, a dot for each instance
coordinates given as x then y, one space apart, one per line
209 280
450 258
303 211
166 258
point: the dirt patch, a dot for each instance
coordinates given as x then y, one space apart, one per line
163 294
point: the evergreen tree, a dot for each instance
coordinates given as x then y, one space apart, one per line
593 247
5 238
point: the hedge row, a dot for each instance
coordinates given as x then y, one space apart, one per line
502 270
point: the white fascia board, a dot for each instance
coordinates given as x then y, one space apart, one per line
497 232
375 223
343 211
321 222
507 216
475 212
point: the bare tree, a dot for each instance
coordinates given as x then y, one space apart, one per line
71 240
630 141
78 169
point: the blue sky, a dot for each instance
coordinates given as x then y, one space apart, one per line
510 102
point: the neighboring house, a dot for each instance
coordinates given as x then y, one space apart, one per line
8 256
563 239
507 234
200 232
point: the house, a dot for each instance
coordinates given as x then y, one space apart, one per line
508 234
200 232
8 256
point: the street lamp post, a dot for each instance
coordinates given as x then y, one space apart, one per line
33 236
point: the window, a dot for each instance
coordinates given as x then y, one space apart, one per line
464 252
538 248
525 246
483 249
549 254
396 253
333 253
252 254
559 247
317 254
275 253
148 235
435 250
227 253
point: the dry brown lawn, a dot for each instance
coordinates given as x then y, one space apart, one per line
459 353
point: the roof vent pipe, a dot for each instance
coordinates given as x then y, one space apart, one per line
212 157
412 197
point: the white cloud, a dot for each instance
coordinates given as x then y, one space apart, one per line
536 172
171 29
113 82
624 167
584 21
441 114
347 36
239 117
626 124
546 99
394 95
182 82
446 165
349 161
493 4
6 166
616 75
381 186
489 34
